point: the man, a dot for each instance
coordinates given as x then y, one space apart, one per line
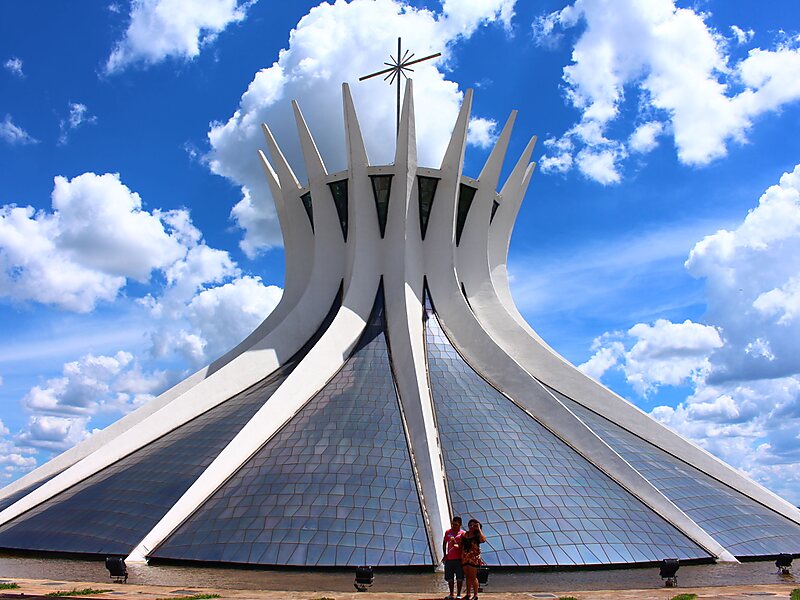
451 548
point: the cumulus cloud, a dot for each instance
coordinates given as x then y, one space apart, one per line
78 116
14 134
14 65
95 383
82 252
679 70
14 459
740 35
332 44
161 29
742 367
482 132
645 137
226 314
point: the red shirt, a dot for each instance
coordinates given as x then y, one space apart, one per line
453 540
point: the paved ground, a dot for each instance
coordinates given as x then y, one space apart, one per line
40 587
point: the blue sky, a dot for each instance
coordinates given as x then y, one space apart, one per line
658 247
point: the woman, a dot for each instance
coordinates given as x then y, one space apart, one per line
471 556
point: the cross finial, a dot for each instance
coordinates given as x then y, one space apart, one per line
398 68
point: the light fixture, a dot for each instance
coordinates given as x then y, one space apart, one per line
364 578
669 571
117 569
784 563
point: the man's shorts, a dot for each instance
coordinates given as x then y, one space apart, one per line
452 568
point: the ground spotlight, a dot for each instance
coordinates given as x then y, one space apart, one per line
117 569
364 578
669 571
483 577
784 563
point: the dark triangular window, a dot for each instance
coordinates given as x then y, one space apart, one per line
495 206
381 188
339 192
426 188
306 198
465 195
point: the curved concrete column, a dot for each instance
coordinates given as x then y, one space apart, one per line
403 281
543 363
323 361
488 359
202 393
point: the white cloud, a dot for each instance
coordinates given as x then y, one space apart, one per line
482 132
226 314
608 351
160 29
332 44
743 366
78 115
666 353
742 36
82 252
50 433
13 134
645 137
14 65
600 166
678 68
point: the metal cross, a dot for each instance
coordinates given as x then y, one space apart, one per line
398 67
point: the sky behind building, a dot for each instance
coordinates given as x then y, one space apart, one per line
658 246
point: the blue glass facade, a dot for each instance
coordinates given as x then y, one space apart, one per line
334 487
539 501
9 500
111 511
741 525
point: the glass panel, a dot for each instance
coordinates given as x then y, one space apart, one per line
111 511
740 524
426 189
465 196
343 460
339 193
306 200
495 206
381 189
11 499
489 444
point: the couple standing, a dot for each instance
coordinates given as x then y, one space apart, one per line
462 556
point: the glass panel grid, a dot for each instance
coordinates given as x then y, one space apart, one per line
495 206
307 204
111 511
466 194
540 502
426 190
339 193
334 487
12 498
381 190
743 526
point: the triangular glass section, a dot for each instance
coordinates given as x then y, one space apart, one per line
12 498
466 194
339 193
334 487
381 190
743 526
111 511
426 191
540 502
495 206
306 200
